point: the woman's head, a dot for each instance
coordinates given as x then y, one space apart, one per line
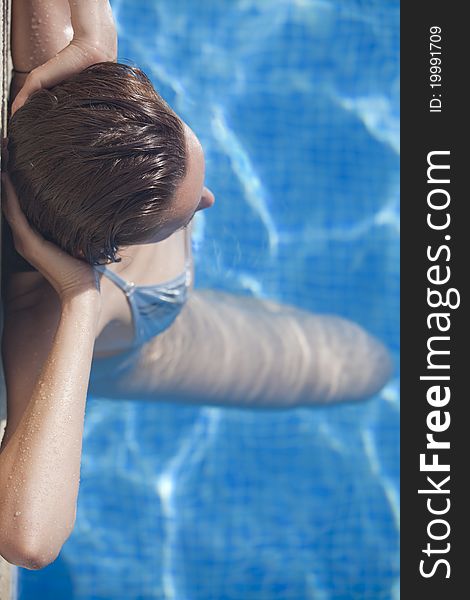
100 161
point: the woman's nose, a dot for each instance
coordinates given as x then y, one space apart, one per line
207 199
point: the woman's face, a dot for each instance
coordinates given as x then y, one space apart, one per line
191 195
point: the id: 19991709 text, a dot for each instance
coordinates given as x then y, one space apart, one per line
435 69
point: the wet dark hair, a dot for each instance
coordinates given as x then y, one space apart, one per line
96 160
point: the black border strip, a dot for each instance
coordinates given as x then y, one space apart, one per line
443 133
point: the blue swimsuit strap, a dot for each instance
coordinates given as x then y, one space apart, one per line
119 281
127 286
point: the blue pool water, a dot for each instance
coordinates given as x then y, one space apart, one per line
296 104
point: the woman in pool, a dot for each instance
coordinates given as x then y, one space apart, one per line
98 276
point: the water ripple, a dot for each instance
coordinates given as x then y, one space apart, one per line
255 193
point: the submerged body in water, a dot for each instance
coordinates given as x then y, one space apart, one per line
238 351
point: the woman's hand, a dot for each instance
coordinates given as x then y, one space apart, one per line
69 276
94 40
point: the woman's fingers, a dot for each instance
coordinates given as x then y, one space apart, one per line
71 60
68 275
27 240
31 85
61 66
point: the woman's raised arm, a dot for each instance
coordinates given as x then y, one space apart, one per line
47 350
53 40
46 377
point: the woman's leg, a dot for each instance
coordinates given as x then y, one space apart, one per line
236 351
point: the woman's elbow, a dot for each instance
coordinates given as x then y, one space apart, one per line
33 554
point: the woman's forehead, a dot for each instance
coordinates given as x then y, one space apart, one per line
190 188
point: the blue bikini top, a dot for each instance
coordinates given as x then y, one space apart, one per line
154 307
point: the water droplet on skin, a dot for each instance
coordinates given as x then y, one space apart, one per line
18 513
